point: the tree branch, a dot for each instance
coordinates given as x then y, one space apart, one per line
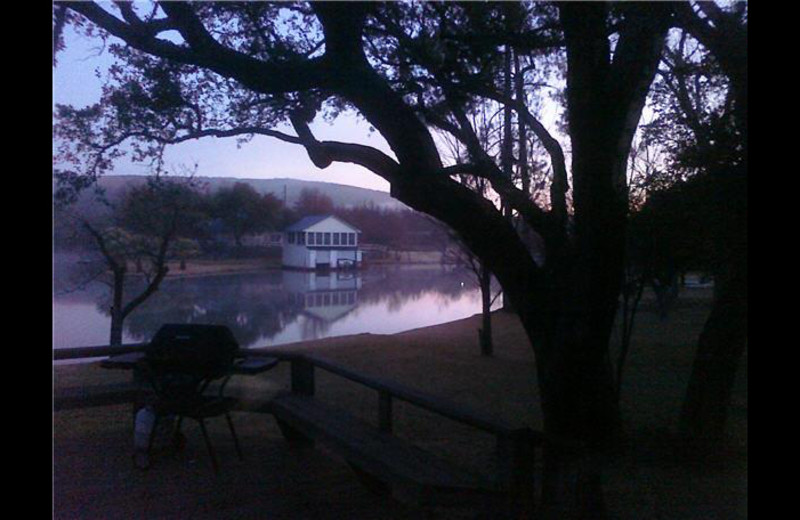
727 41
484 167
152 286
323 153
534 216
203 51
560 184
160 263
101 243
152 27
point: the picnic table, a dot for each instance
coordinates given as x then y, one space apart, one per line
116 393
245 366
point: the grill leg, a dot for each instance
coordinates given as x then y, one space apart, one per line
233 434
209 446
179 440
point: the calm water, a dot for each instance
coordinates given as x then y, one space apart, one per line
275 307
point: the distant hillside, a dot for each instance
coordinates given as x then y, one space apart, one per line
340 194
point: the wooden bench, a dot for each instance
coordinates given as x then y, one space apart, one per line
109 394
386 463
71 398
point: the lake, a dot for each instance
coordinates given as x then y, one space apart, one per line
274 307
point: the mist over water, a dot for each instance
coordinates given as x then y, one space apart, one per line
274 307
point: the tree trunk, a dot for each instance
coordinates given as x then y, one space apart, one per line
724 337
485 333
522 139
116 328
568 319
720 348
604 102
507 150
117 315
631 296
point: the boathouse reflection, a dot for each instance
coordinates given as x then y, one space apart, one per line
324 297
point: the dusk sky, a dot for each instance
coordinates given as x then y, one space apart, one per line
75 82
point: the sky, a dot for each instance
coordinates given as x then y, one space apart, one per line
76 82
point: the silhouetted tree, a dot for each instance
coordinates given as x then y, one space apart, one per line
144 230
456 253
243 211
719 151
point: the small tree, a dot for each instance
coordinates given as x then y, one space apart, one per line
142 230
461 255
185 248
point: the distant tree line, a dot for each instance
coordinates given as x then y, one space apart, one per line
225 218
227 215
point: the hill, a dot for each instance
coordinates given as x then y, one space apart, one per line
288 189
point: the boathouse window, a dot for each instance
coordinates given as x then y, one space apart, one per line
336 239
351 239
319 238
311 239
291 237
301 238
327 239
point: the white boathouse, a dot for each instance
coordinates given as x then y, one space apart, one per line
321 242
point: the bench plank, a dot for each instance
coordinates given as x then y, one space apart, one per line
378 453
95 395
434 404
71 398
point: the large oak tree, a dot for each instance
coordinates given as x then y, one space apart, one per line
412 70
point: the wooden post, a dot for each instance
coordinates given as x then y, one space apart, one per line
385 411
302 376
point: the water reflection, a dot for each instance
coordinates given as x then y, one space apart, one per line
279 307
323 298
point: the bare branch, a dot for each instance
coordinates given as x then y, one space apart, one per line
560 184
101 244
484 167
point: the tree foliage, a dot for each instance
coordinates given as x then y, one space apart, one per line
243 211
313 202
152 224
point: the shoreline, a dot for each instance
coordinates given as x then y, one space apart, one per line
211 267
